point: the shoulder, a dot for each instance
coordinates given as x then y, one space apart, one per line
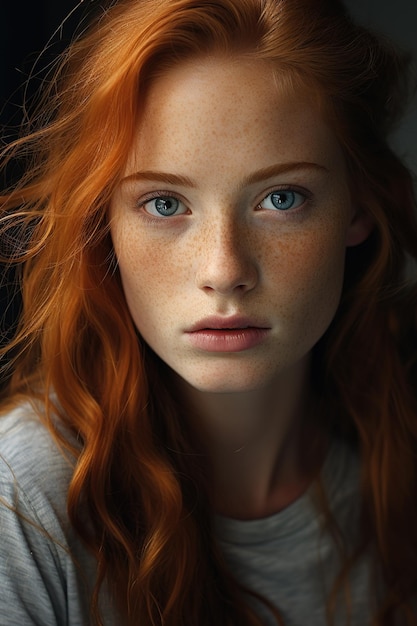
43 566
31 462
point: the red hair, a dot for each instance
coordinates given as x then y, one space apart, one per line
150 513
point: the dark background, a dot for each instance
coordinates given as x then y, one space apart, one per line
33 32
398 20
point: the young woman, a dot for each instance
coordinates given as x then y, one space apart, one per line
211 418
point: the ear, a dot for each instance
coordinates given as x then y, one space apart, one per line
360 227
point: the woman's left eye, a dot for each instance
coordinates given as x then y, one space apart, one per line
283 200
163 206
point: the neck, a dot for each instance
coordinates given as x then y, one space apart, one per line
264 445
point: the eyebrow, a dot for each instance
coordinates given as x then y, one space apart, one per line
255 177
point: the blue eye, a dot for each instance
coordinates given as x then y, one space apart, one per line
164 206
283 200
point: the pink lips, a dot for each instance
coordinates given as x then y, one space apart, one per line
222 334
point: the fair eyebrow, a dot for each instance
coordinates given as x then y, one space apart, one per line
255 177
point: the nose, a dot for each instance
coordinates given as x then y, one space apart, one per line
227 262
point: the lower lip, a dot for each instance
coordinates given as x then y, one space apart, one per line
227 340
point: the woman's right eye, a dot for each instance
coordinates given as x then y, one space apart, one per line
164 206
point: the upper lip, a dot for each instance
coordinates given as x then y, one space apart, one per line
220 323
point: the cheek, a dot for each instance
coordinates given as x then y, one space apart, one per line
151 277
309 270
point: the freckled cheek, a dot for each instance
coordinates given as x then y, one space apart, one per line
308 268
150 270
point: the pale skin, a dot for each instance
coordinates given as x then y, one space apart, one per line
235 203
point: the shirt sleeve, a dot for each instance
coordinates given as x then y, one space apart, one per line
47 575
32 582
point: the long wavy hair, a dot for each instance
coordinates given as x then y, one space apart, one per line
139 472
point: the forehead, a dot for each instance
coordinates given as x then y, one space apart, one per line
230 108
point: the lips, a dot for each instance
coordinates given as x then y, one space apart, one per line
227 334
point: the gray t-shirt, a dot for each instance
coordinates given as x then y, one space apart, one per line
46 574
290 559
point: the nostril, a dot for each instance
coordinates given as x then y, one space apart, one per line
224 284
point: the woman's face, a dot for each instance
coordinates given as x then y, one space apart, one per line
231 223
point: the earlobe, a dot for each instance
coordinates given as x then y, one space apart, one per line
360 228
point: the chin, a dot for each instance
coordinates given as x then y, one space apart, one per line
226 384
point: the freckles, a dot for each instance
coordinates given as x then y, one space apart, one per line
138 263
306 269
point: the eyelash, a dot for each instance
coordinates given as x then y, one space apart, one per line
306 195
